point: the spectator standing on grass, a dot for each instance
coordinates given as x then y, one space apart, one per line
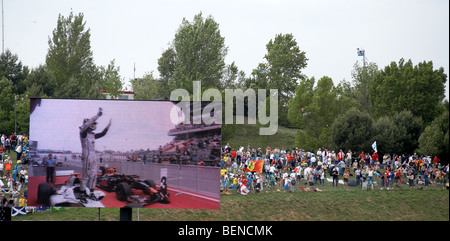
313 160
437 176
233 154
311 179
15 196
325 166
7 166
306 172
335 175
234 167
319 154
341 166
374 158
225 184
235 184
346 176
425 177
8 145
3 139
315 175
19 150
436 159
322 176
1 168
355 165
13 138
392 177
348 159
340 155
410 177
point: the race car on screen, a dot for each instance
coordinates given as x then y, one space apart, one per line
132 189
68 194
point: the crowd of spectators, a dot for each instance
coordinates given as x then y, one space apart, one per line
14 156
297 169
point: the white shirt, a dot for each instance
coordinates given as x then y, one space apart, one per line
307 171
272 169
319 153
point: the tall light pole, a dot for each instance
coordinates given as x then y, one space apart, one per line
362 52
15 114
3 31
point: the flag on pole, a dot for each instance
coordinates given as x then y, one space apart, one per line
360 52
374 146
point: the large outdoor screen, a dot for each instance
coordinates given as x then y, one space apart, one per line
121 153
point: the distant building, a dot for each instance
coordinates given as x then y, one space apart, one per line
123 95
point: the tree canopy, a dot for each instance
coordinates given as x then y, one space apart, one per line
70 60
197 53
403 86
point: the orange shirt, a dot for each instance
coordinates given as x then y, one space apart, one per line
7 166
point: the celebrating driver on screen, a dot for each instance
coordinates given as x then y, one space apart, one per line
89 162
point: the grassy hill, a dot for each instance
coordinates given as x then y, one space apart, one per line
246 134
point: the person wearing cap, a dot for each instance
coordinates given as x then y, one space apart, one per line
88 157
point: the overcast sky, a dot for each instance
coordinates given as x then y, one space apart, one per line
329 31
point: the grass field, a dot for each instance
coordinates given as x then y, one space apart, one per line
332 204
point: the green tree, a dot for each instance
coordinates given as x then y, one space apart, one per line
282 70
111 80
353 131
197 53
70 60
403 86
434 139
409 128
147 88
358 89
6 94
39 83
11 68
166 67
314 109
386 133
233 78
21 117
7 102
297 106
398 133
